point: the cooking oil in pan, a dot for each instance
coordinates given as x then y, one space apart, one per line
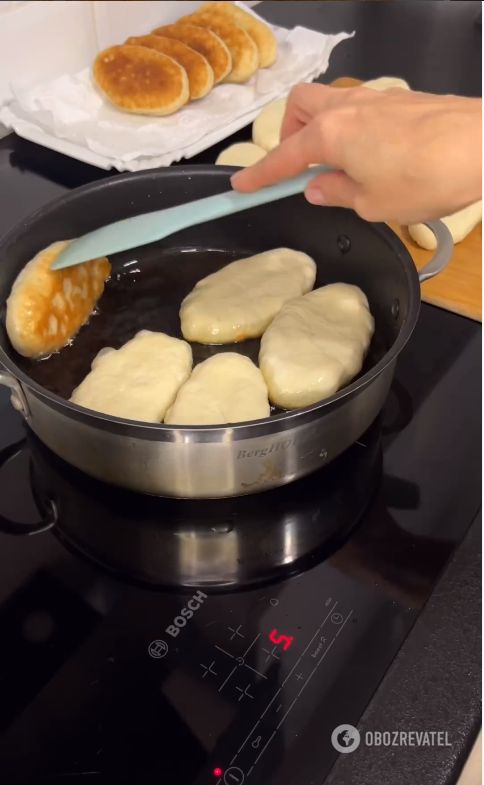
144 292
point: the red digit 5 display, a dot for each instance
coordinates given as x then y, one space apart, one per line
275 638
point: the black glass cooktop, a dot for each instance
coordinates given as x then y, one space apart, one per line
301 598
162 641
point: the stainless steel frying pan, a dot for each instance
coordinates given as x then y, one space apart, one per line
146 290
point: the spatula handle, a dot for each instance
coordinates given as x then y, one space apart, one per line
229 202
147 228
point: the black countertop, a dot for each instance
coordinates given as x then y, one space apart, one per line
435 46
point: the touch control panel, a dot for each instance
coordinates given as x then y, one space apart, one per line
267 669
278 698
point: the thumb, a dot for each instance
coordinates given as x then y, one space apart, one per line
334 189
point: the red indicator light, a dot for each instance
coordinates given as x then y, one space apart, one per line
217 772
275 638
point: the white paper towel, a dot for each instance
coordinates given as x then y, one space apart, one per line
70 108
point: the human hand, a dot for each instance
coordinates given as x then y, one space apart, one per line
401 156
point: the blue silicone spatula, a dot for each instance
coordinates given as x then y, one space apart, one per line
144 229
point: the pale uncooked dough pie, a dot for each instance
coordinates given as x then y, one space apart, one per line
316 345
240 300
139 381
226 388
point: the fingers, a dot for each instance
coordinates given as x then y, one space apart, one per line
335 189
293 156
314 129
303 103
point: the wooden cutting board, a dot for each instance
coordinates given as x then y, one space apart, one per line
459 287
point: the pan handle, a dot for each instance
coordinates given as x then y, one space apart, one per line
50 515
17 397
443 254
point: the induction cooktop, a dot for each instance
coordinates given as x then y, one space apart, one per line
163 641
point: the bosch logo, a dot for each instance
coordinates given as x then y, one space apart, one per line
186 613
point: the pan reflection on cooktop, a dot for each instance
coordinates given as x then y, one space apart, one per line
212 543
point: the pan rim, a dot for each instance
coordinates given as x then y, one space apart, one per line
141 429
